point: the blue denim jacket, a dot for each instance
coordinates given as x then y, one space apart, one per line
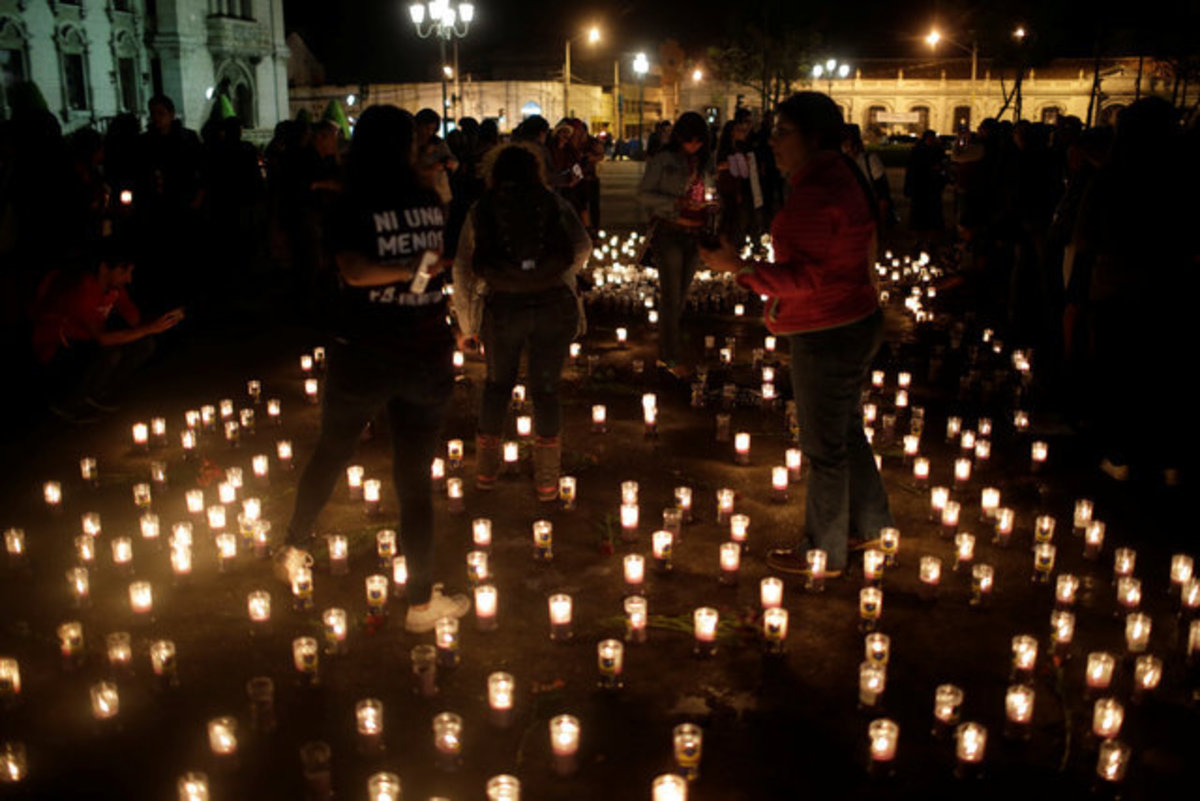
665 181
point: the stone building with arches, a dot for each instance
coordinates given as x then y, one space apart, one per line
94 59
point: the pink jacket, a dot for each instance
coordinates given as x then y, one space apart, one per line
822 237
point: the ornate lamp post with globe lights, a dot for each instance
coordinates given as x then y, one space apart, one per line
829 70
447 20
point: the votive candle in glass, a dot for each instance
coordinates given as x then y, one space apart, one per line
1093 539
1147 673
983 580
950 517
560 617
599 418
889 543
193 787
774 629
1084 510
610 661
970 743
771 592
564 742
543 540
1107 716
377 595
1099 671
964 549
662 543
447 740
1018 708
793 460
683 502
704 623
1043 562
725 498
629 521
688 740
930 576
1113 761
383 786
481 533
258 606
164 663
635 571
1039 452
119 649
1137 632
947 707
567 492
368 719
882 737
222 736
305 658
333 627
1124 562
1024 659
141 598
667 787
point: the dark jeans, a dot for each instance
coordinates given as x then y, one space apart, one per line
90 370
544 323
829 371
360 382
677 258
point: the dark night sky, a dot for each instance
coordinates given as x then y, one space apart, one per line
374 40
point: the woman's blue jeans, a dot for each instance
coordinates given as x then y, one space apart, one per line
829 371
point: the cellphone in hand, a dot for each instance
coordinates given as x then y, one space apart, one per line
421 280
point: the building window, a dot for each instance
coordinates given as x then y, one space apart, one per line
922 124
128 87
73 69
14 65
1050 114
962 118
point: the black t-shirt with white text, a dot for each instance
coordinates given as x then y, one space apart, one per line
394 230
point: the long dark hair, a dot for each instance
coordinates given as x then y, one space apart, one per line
380 160
688 127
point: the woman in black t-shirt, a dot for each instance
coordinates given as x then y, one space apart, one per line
393 347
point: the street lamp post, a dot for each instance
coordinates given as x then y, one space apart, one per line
641 65
934 37
447 20
831 69
593 36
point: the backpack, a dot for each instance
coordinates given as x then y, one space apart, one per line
521 241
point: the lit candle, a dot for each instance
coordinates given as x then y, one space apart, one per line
486 602
195 501
275 411
962 472
966 441
938 498
260 465
543 540
1107 717
88 470
774 629
771 592
667 787
333 622
739 529
148 523
339 553
650 413
1189 597
258 606
52 493
1005 521
1020 421
688 746
817 559
622 335
376 587
1129 593
964 549
119 650
454 454
635 618
181 560
122 554
163 662
222 736
1043 529
704 623
454 496
635 571
85 548
372 492
730 558
385 547
567 492
208 416
216 517
10 679
1124 561
983 579
141 436
560 617
70 642
232 432
1147 673
629 521
1043 562
302 588
14 544
610 661
383 786
989 501
141 598
105 700
683 503
283 451
725 498
564 742
354 480
889 543
793 460
1084 510
158 474
226 550
312 388
872 679
882 734
1137 632
983 451
305 658
629 492
1038 453
481 533
870 607
1062 630
970 742
501 691
599 419
873 565
1099 671
741 448
930 575
447 739
399 575
953 428
193 787
368 719
1093 539
1182 567
947 707
1113 761
1024 651
477 567
1018 707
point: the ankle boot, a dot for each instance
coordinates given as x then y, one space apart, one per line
487 460
547 458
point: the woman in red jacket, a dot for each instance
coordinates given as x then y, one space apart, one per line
822 299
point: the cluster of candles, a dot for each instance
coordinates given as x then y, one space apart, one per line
947 511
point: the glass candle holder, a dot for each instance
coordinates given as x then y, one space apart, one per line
368 720
543 540
930 576
938 497
683 502
567 492
1099 672
704 623
730 559
486 603
947 707
447 740
119 648
629 522
385 547
725 499
634 571
334 628
560 617
481 533
302 589
376 587
564 743
445 638
1043 529
739 529
305 659
193 787
970 743
771 592
983 580
1112 762
222 736
477 567
1182 570
1093 539
1024 656
258 608
668 787
424 667
1137 632
1018 708
1084 510
793 460
383 786
1062 630
870 607
635 619
688 740
883 736
662 543
877 648
454 454
817 561
872 680
774 629
1039 453
454 496
889 543
141 598
1005 521
1147 674
1107 716
1043 562
951 512
399 576
964 550
599 418
106 701
741 448
1124 562
1129 594
339 555
70 641
501 689
610 661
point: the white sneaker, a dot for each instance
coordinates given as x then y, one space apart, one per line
288 559
420 621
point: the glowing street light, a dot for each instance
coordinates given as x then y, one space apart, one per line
641 65
831 69
593 37
1019 33
697 75
447 20
935 37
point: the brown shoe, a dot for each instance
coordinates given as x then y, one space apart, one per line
547 459
487 460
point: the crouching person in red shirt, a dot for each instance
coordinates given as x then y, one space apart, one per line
90 337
